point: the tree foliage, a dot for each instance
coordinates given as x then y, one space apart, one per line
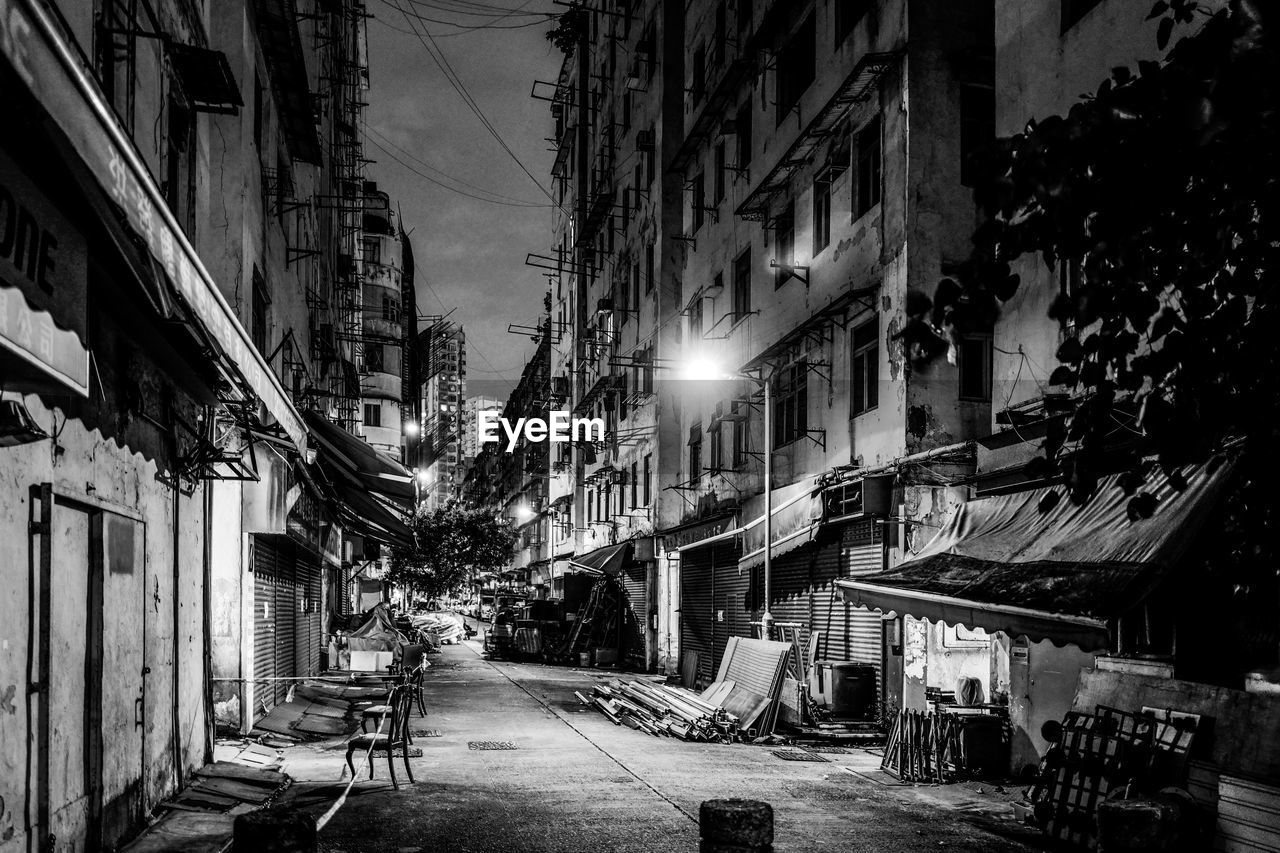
1162 187
452 543
571 27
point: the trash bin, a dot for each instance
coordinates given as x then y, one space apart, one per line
983 747
853 690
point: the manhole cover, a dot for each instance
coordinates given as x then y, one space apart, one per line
490 744
426 733
826 750
796 755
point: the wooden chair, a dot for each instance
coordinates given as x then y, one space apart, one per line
395 735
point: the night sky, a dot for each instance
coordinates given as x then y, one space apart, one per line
470 253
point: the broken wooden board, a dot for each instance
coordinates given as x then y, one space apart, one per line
188 831
244 792
241 773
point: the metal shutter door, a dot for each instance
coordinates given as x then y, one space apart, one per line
730 591
696 585
861 553
286 620
264 626
306 650
790 590
634 581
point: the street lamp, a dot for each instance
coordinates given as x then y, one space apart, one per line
705 369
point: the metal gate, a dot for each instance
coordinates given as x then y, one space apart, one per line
266 572
861 553
732 616
696 592
634 581
306 656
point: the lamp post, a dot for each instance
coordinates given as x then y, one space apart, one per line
707 370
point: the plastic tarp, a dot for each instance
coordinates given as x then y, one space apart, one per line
1064 573
796 511
377 634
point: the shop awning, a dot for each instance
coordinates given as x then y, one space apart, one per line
53 71
608 560
797 512
366 515
375 470
1065 574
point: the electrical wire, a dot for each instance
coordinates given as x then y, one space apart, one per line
442 63
445 186
445 175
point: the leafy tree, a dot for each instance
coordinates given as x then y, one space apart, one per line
452 542
1162 187
571 27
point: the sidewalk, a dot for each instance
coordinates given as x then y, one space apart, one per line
566 779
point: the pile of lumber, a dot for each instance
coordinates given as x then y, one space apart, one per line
750 681
921 747
663 710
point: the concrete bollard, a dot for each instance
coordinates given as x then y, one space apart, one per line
735 826
275 830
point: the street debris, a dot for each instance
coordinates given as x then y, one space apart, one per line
663 710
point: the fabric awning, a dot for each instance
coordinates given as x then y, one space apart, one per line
797 512
1064 574
363 512
54 72
608 560
374 469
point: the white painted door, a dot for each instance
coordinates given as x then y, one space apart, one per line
68 787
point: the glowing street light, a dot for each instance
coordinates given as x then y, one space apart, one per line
524 513
411 428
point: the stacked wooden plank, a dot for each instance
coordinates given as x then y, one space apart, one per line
662 710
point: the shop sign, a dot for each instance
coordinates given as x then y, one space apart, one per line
43 282
680 538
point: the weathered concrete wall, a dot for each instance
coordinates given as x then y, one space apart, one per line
107 462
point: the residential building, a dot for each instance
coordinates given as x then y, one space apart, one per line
617 111
388 312
441 377
173 345
471 409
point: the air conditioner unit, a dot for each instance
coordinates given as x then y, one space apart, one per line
605 304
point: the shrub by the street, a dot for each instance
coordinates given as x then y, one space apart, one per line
452 543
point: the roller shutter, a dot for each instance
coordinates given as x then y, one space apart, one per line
306 654
861 553
635 586
696 585
790 590
732 613
266 627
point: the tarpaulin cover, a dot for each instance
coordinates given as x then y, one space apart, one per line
797 511
608 560
1063 574
375 470
377 634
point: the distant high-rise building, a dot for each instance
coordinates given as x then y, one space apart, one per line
441 354
383 324
471 409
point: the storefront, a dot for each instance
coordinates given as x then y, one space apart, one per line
1020 593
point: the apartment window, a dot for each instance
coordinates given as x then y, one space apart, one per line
742 285
973 362
372 415
742 132
259 308
371 250
698 85
390 309
784 233
623 393
795 71
373 358
648 268
635 487
866 366
791 404
648 478
977 128
695 451
647 372
699 200
717 179
869 168
848 13
717 442
695 318
821 211
741 417
591 506
1074 10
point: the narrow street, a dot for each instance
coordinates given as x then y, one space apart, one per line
576 782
